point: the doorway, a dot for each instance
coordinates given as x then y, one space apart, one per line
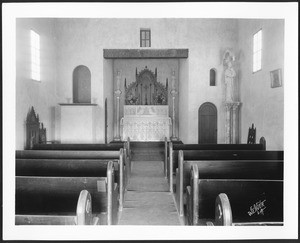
207 123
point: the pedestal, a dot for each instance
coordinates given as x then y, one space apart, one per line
232 122
78 123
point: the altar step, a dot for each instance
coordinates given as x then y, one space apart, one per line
159 144
147 151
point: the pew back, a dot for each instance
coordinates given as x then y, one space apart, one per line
63 167
58 195
228 155
82 155
202 193
219 155
250 200
225 169
83 146
83 216
68 180
66 154
218 146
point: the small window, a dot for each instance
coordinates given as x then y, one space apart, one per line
35 55
212 77
145 37
257 51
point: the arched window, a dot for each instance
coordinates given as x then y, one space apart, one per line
81 85
212 77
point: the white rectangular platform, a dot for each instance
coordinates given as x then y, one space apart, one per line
145 123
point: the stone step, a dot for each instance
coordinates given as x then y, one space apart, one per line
147 144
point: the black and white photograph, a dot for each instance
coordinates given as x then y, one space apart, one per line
153 121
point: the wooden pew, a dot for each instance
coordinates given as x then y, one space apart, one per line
167 153
252 201
220 155
225 169
84 215
84 146
64 167
172 151
90 147
81 155
37 195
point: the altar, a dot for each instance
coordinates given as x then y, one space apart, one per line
146 122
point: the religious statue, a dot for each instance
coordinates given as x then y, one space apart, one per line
230 75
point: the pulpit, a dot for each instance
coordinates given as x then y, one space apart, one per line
146 122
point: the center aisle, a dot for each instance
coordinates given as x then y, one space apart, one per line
147 199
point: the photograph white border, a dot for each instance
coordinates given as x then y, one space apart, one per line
286 11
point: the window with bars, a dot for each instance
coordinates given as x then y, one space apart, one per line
257 51
35 55
145 38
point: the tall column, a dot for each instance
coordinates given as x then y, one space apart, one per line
228 123
235 123
118 93
173 94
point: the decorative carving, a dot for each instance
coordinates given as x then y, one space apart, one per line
146 90
145 128
146 110
35 131
146 123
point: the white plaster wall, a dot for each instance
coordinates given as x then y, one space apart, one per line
207 41
73 42
261 104
81 42
40 95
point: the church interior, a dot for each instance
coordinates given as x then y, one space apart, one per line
149 121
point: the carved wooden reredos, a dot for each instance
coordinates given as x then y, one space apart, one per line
35 131
146 90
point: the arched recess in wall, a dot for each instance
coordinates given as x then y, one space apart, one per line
212 77
81 85
207 123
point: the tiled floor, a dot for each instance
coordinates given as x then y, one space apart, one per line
147 200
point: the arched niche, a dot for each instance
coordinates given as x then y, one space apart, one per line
81 85
212 77
207 123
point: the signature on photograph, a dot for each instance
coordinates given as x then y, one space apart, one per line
257 208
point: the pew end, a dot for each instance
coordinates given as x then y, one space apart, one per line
237 202
84 215
223 213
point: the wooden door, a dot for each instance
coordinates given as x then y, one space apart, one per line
207 123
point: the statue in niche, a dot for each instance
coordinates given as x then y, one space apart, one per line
229 76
